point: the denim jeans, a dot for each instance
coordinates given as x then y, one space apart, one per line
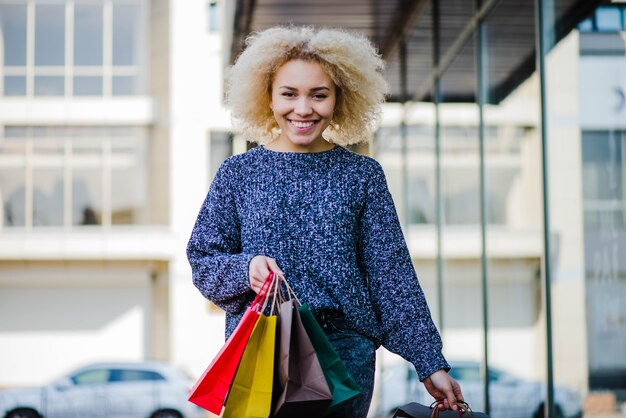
359 356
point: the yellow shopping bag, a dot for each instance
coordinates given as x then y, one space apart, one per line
250 395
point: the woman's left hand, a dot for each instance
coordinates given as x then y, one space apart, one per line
443 387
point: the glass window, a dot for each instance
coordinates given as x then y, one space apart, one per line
14 85
48 196
74 195
49 86
129 375
213 18
92 377
125 85
13 26
88 34
609 19
126 34
604 178
128 198
49 34
87 86
87 193
586 25
12 193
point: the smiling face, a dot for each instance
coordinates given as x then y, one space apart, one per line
303 102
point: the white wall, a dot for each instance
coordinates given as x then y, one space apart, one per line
54 318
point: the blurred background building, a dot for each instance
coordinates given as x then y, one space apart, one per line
505 135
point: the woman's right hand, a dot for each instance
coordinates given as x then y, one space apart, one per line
258 270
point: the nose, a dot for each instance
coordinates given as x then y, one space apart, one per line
303 107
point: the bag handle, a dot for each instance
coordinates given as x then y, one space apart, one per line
260 298
464 408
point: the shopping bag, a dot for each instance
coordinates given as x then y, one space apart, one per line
250 395
341 385
210 390
416 410
301 388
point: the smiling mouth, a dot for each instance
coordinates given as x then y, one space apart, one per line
302 125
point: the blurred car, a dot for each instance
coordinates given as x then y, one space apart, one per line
510 396
109 390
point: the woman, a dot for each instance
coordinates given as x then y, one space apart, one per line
302 205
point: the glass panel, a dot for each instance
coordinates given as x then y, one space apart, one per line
212 16
421 193
49 34
12 193
125 86
609 19
585 124
91 377
586 25
88 35
49 86
128 180
13 27
86 195
513 168
129 375
14 85
126 34
462 323
48 193
87 86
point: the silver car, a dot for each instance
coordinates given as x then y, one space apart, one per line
510 396
112 390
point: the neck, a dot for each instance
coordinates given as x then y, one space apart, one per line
281 144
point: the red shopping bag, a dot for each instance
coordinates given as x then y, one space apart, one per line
210 390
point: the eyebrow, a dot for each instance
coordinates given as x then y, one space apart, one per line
313 89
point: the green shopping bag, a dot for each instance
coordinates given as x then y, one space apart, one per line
250 395
341 385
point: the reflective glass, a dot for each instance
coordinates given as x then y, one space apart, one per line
48 196
462 304
87 86
586 119
49 34
13 27
92 377
126 34
49 86
609 19
88 34
129 197
13 188
516 324
14 85
87 192
125 86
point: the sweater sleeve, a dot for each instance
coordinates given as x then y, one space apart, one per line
219 268
408 329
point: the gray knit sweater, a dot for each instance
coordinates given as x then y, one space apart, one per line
329 221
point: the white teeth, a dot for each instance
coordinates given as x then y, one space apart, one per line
302 124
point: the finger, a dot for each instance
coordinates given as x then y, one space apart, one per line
271 263
458 394
450 399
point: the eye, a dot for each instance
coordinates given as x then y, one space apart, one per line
320 96
288 94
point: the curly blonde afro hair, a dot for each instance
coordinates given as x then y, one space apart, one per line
350 60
